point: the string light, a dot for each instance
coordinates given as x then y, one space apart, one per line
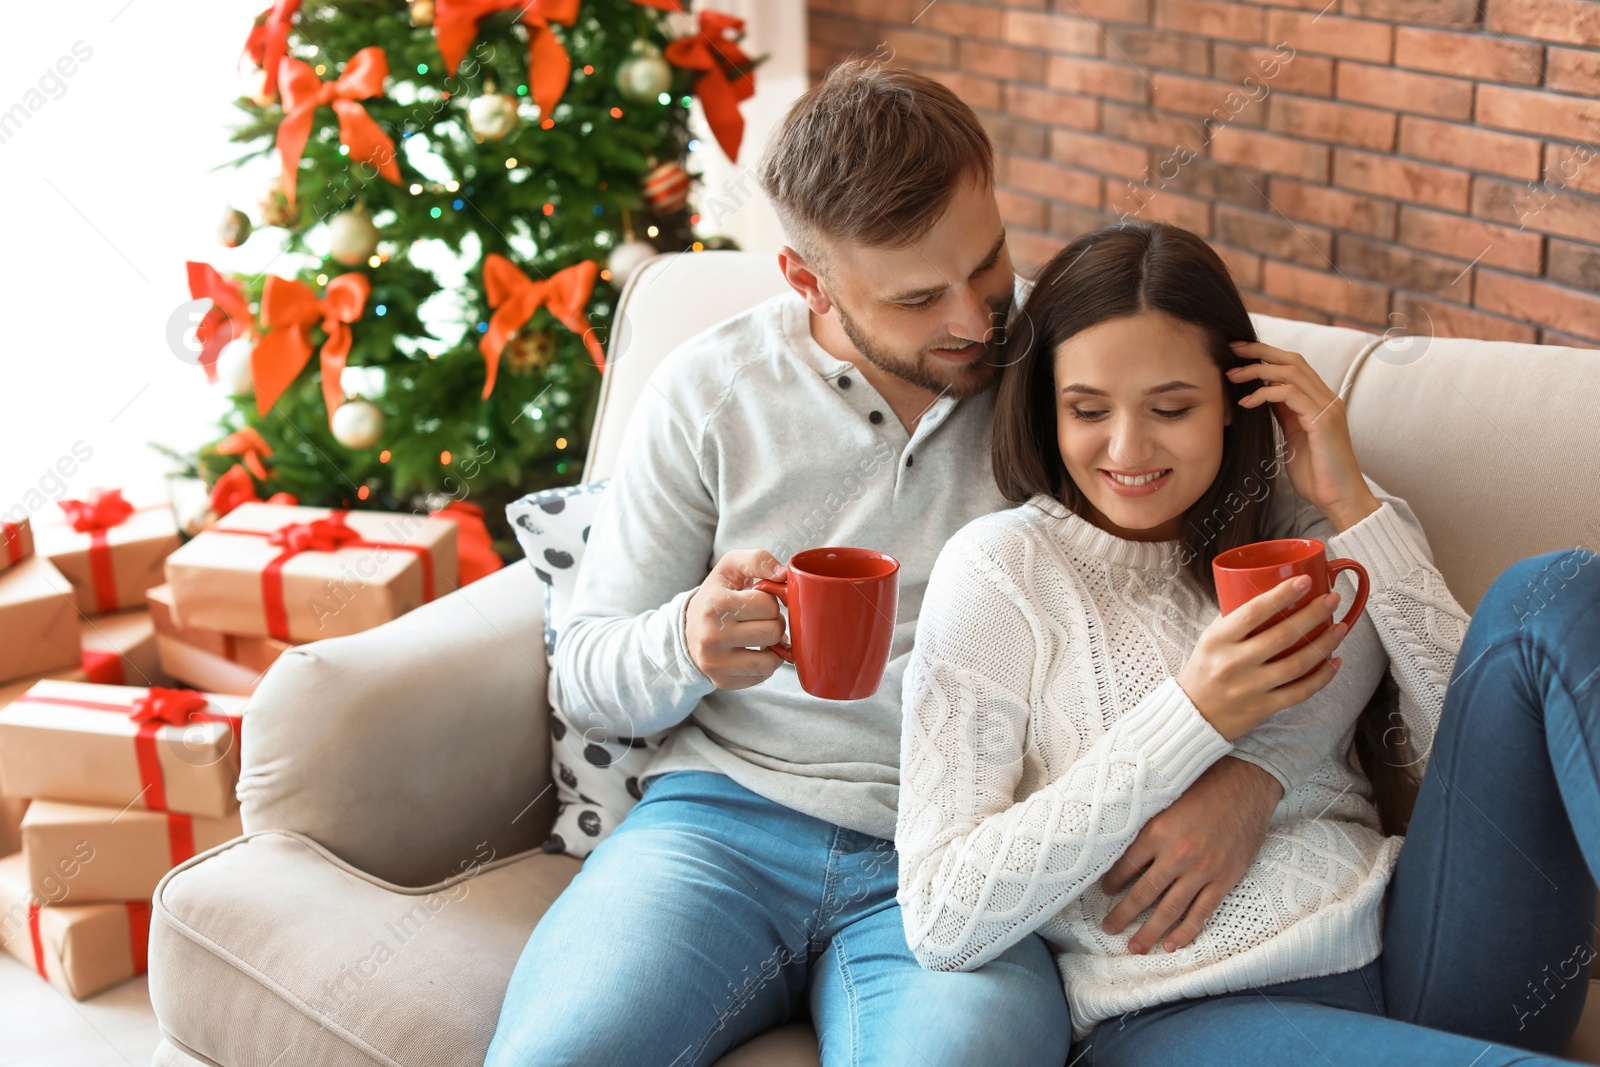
549 209
383 457
373 262
664 98
444 457
653 231
415 188
435 212
452 185
422 68
511 164
605 275
616 112
588 69
698 246
363 492
322 279
548 124
561 442
522 90
382 309
321 70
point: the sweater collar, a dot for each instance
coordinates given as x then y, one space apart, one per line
1074 531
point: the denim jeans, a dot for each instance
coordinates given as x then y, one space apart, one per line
1488 931
712 914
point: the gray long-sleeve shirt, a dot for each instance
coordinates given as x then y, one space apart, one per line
751 436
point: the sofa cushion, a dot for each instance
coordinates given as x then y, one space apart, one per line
271 949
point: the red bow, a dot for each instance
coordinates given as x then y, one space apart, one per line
455 25
304 92
515 297
474 545
713 51
672 7
251 446
234 487
319 535
290 308
228 317
104 509
171 706
268 42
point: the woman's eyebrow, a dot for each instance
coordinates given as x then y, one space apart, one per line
1168 387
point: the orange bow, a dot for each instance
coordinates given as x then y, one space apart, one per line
289 308
455 25
268 42
104 509
172 706
234 487
249 445
229 316
712 51
515 297
304 92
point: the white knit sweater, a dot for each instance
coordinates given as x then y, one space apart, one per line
1044 726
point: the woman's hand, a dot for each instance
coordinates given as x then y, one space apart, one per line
1322 461
1228 677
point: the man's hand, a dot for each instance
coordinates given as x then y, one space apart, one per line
1193 854
726 624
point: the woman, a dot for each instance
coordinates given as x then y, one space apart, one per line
1072 676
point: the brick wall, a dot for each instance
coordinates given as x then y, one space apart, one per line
1432 165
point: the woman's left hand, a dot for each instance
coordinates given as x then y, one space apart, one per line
1322 461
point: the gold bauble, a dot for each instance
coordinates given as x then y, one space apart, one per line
529 352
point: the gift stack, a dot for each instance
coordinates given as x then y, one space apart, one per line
125 783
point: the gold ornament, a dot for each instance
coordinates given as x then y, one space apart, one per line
422 12
529 352
275 209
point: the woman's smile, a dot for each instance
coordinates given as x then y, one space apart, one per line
1129 484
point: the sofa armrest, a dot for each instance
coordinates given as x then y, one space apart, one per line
406 748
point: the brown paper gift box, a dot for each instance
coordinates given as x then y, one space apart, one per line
199 669
75 741
137 547
221 580
39 618
12 810
12 690
78 948
257 653
103 854
120 649
16 541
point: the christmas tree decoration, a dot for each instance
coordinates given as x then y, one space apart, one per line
728 76
358 424
250 447
352 237
227 318
549 66
232 370
644 76
529 351
268 43
234 229
666 187
492 116
422 12
303 92
515 297
626 258
289 309
275 207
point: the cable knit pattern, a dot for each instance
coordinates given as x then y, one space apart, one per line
1044 725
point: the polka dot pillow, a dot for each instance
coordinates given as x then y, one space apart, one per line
596 777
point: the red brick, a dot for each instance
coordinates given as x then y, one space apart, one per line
1470 147
1069 220
1567 21
1144 126
1030 251
1575 168
922 49
1437 12
1096 77
1323 120
1000 61
1326 291
1567 118
1539 301
1021 209
1290 72
1401 179
1054 33
1103 154
1568 70
1265 151
1162 205
1544 209
1403 90
977 92
1480 56
1331 35
1109 10
1437 318
1052 181
1332 207
1471 239
1275 236
1146 48
1402 268
1222 102
1575 264
1243 267
1015 135
1260 304
957 19
1058 109
1211 18
1210 180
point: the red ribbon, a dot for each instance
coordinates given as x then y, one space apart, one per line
103 668
234 487
712 50
320 535
268 42
11 533
474 545
229 316
290 309
304 92
455 25
104 509
248 444
158 707
138 935
515 297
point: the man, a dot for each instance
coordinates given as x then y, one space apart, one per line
757 877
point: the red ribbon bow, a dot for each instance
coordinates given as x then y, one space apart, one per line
455 25
11 534
104 509
318 535
268 42
289 308
713 51
234 487
515 297
248 444
304 92
229 316
173 707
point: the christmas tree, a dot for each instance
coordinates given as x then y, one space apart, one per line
472 181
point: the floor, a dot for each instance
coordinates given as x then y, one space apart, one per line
40 1027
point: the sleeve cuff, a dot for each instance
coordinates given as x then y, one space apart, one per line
1381 543
1171 732
1261 761
689 674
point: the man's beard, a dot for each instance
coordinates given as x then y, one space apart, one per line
960 380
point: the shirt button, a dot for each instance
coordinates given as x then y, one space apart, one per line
844 381
910 459
876 417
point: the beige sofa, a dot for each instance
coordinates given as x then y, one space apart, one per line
396 782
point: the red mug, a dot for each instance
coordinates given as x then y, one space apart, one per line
1244 573
842 604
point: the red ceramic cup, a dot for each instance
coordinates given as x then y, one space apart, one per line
1244 573
842 604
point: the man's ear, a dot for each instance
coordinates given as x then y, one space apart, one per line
803 280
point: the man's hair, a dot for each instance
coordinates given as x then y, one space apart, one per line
873 155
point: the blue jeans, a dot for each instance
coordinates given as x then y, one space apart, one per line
712 914
1488 931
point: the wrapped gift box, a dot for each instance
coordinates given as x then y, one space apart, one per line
120 649
109 549
194 666
12 810
12 690
80 742
303 574
16 541
256 653
78 948
111 855
39 618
